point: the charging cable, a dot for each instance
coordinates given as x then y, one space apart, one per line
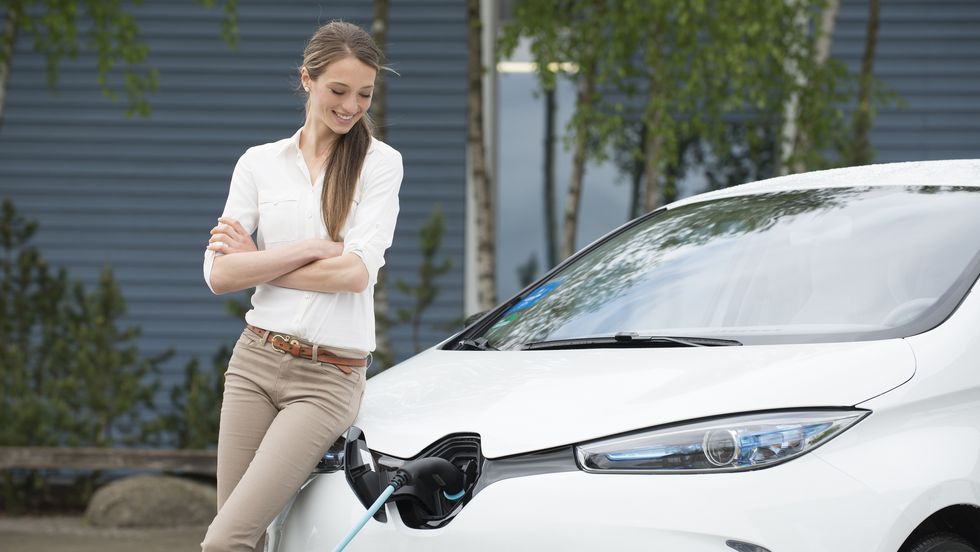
425 474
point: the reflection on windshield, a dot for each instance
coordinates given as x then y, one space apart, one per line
828 262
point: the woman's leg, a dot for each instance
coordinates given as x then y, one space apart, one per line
247 411
318 404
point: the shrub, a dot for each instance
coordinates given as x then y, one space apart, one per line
71 374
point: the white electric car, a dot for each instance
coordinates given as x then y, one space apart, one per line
791 365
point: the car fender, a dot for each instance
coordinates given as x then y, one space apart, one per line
922 507
924 434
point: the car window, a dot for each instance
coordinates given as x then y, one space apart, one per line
790 266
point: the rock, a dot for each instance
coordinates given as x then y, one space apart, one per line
152 501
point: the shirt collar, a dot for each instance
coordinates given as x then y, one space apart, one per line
292 143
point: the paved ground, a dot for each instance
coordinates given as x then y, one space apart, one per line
70 534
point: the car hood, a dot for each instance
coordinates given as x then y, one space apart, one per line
520 401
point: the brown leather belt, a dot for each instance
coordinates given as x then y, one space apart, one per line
304 349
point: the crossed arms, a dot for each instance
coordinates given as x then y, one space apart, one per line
312 264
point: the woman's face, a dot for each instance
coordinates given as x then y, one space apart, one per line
341 95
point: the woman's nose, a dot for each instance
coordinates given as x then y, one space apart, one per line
350 104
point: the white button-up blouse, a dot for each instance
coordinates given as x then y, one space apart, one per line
271 192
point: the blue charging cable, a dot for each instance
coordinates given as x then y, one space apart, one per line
367 515
401 477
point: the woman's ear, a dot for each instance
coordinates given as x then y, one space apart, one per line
304 78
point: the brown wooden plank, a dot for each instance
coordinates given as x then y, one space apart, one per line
190 461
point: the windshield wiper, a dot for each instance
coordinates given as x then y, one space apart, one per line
478 344
629 340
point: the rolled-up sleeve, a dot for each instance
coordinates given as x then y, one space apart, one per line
373 226
242 205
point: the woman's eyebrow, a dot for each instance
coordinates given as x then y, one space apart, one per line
345 85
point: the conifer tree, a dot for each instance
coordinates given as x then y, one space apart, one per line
71 373
424 293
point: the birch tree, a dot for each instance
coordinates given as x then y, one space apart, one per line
475 141
703 66
657 78
569 38
792 142
653 69
379 31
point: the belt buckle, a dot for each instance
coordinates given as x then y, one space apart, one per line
285 340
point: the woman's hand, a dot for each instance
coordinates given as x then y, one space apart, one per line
229 236
327 249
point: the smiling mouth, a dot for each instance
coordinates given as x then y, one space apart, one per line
346 119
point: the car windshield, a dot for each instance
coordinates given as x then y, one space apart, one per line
798 266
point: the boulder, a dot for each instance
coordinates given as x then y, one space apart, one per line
152 501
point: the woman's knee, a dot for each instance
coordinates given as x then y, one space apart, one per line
214 543
223 539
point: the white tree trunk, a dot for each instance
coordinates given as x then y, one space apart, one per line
483 187
790 139
573 197
651 168
383 354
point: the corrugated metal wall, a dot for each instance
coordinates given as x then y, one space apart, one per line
929 53
140 195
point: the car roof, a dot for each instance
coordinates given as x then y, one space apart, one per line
952 172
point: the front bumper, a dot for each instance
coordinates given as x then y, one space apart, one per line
805 505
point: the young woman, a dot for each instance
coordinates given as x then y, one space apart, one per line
324 204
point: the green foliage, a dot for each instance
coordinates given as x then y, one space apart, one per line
229 23
192 422
71 376
707 64
424 293
237 308
196 401
569 31
686 72
61 29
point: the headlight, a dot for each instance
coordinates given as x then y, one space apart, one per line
735 443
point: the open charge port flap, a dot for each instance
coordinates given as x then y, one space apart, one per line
363 480
418 512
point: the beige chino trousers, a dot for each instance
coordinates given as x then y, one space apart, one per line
279 414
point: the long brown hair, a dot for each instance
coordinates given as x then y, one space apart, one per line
332 42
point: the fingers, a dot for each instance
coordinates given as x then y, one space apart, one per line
219 240
229 236
325 247
233 225
238 226
225 229
218 246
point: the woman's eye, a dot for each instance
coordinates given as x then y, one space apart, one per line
337 92
366 96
